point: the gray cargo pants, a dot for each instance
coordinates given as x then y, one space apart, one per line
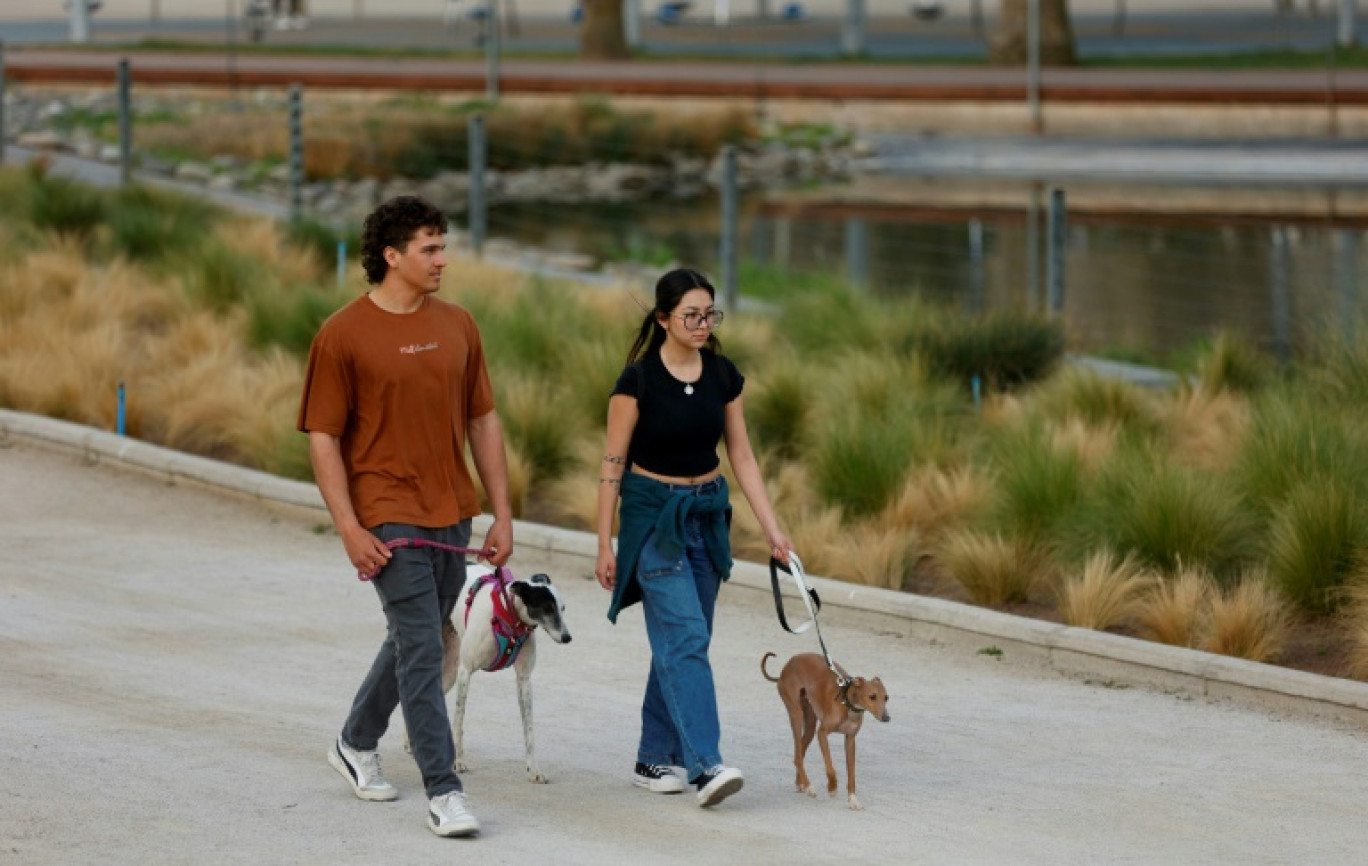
418 589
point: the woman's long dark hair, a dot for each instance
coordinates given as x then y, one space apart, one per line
670 289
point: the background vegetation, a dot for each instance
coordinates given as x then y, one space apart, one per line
419 136
1226 514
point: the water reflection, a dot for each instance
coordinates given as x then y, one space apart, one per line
1142 280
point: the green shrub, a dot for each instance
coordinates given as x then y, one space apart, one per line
539 424
1040 486
61 205
1006 349
1171 516
779 410
1293 438
221 277
1233 364
1316 540
320 239
288 316
530 333
817 322
149 225
1337 365
1098 402
860 460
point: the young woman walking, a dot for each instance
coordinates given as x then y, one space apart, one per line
676 398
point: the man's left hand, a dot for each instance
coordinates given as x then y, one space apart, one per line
499 542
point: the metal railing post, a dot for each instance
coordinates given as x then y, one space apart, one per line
977 283
1346 279
1054 258
125 123
1033 64
2 102
1033 250
1280 277
493 25
476 210
727 259
296 151
1346 34
857 252
853 29
79 29
631 23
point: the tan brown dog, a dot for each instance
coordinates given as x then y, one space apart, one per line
816 705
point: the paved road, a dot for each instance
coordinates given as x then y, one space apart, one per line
173 663
1337 164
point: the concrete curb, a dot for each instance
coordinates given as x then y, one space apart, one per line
1071 651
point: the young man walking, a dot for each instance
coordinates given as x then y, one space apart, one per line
396 386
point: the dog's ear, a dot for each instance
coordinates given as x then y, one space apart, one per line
857 683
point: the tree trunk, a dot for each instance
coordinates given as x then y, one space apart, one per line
1008 46
601 33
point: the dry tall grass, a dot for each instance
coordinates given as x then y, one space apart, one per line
993 570
1250 621
1205 427
1356 630
934 499
1177 609
1105 594
1092 443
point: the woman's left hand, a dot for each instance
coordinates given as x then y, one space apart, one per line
779 546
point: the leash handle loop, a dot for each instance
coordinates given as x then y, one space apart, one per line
397 543
811 601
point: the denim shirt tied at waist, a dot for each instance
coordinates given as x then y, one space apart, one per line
651 506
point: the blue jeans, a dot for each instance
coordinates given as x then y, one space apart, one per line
679 725
418 589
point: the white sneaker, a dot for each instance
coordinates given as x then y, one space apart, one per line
718 784
448 816
657 779
362 770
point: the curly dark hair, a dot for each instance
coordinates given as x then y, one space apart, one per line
393 224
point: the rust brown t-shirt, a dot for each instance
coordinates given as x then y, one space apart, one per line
398 389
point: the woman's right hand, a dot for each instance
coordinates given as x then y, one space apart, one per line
605 569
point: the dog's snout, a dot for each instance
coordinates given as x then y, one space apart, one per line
884 717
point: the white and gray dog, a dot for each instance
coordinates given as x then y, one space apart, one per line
493 627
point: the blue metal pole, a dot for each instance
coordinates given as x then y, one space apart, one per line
341 261
122 408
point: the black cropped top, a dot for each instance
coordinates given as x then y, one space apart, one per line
676 431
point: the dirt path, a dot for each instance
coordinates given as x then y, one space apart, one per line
174 662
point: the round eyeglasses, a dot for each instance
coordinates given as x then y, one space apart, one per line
694 321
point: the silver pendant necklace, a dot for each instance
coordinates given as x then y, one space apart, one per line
688 388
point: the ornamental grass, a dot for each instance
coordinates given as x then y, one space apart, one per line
1242 491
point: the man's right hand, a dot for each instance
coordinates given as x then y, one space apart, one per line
368 553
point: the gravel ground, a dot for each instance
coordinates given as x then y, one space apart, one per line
176 660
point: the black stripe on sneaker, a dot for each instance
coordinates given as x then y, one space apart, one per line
356 777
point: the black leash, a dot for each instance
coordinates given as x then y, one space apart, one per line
811 601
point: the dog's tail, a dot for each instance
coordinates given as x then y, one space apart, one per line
766 657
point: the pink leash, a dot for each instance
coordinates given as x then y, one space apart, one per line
396 543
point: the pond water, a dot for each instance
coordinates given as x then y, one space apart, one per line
1138 279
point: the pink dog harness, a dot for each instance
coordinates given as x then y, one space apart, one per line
510 632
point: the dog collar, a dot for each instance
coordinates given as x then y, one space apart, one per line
843 694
